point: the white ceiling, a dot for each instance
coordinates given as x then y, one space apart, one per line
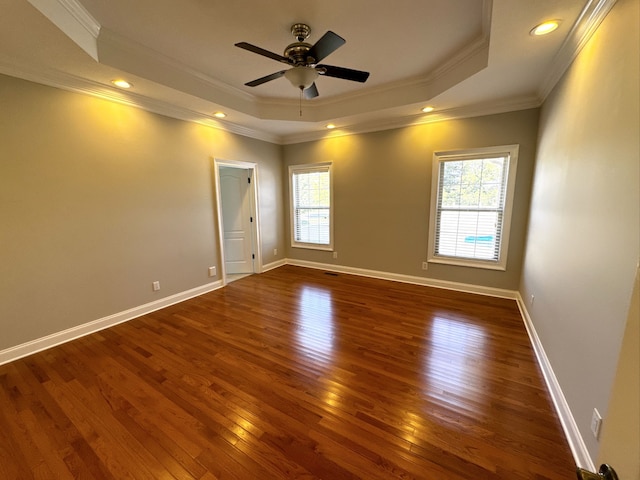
464 57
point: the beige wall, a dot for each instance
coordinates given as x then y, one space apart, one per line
98 200
382 185
620 445
584 243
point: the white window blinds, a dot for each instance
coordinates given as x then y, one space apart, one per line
473 198
311 205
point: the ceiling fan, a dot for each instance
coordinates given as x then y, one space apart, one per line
303 58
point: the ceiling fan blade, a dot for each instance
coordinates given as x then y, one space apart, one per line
262 51
327 44
344 73
311 92
268 78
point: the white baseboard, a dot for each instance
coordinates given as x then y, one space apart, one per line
398 277
576 443
34 346
272 265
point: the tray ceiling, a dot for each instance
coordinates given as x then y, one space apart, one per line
464 57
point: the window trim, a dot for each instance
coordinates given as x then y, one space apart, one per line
308 168
511 151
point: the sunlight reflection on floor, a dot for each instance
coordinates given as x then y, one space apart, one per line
453 355
316 323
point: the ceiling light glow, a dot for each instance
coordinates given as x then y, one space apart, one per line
428 109
220 115
121 83
545 28
331 126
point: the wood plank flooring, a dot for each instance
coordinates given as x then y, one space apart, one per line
291 374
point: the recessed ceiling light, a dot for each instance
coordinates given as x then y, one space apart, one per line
331 126
120 83
428 109
220 115
544 28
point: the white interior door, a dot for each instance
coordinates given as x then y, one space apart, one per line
236 219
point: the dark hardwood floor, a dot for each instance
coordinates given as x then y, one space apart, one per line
294 373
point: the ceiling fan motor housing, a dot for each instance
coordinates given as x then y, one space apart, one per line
297 52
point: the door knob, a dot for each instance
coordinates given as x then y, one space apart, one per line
605 473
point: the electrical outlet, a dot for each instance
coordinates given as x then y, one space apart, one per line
275 252
425 265
335 254
596 423
531 299
212 271
155 286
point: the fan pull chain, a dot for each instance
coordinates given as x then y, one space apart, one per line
300 101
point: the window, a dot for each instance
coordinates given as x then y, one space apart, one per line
471 199
311 212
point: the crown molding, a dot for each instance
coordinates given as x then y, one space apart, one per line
81 15
466 62
124 54
71 83
64 81
74 20
588 22
500 106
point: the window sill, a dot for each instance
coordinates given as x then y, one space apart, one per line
462 262
313 246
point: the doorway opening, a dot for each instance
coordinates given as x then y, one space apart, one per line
238 219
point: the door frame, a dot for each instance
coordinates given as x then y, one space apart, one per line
255 225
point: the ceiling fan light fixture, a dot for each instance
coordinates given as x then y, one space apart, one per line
301 77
